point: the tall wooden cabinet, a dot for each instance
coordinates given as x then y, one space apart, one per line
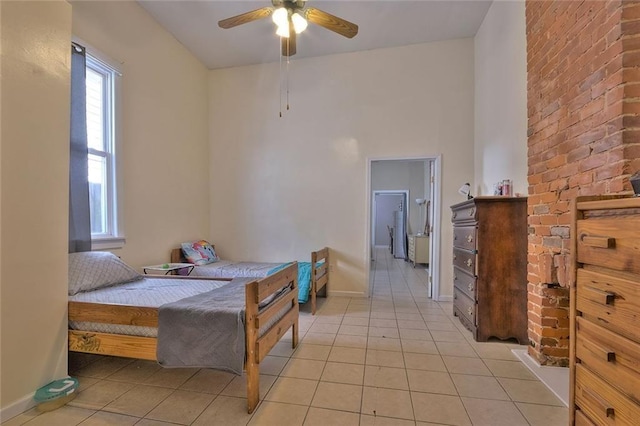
605 312
490 267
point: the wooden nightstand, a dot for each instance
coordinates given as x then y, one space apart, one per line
418 249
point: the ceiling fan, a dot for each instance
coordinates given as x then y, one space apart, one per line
291 17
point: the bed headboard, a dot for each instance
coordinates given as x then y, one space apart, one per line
177 256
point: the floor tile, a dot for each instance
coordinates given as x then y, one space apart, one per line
181 407
416 361
105 418
411 325
272 365
339 372
292 391
509 369
136 372
419 346
384 344
363 322
303 369
338 396
318 338
353 330
383 323
446 336
275 413
387 403
494 413
529 391
456 349
103 367
348 355
238 386
383 421
544 415
100 394
171 377
348 341
208 381
139 401
442 409
385 358
63 416
308 351
224 410
479 387
464 365
431 381
324 417
385 377
412 334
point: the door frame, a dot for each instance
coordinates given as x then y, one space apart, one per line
436 200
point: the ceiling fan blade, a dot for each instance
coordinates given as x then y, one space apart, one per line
245 18
331 22
289 44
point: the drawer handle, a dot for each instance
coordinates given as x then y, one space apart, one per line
454 215
470 310
469 262
455 257
600 296
604 353
599 403
455 277
469 238
472 212
599 242
470 287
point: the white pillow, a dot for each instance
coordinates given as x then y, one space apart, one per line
91 270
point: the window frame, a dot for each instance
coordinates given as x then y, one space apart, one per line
114 237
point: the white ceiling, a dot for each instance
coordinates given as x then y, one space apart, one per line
381 24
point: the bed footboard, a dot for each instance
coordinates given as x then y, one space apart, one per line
319 274
284 306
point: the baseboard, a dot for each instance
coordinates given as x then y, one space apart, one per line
445 299
23 404
340 293
555 378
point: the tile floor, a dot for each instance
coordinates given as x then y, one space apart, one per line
397 358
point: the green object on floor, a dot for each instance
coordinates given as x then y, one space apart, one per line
56 393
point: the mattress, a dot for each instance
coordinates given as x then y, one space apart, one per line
230 269
152 293
147 292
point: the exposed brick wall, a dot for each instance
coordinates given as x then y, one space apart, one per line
584 139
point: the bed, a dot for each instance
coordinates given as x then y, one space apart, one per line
100 323
311 280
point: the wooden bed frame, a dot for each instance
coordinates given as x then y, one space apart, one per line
319 274
257 347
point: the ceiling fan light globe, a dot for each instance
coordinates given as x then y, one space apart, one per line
283 30
299 23
280 17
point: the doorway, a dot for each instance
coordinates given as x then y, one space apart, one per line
390 215
417 179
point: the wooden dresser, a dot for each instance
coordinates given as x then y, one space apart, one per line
490 267
605 312
418 249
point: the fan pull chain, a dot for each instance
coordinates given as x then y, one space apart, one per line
288 56
280 76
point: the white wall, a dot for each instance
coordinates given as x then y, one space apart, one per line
406 175
165 168
281 187
35 69
501 98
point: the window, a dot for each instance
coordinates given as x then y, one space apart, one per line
100 81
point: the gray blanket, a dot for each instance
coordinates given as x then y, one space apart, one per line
204 331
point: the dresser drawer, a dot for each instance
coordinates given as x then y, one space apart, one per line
612 302
610 355
465 260
464 282
601 402
582 420
464 214
465 305
464 237
611 242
